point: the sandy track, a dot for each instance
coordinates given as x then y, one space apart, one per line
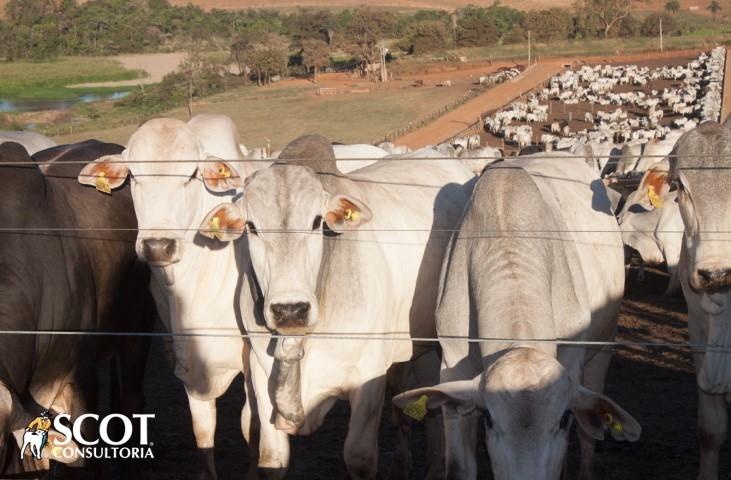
157 65
456 121
726 108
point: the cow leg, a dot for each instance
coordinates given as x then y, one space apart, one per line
273 443
250 424
595 373
712 421
361 443
425 372
203 413
397 378
460 434
674 283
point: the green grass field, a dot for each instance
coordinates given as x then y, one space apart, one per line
281 114
48 80
578 48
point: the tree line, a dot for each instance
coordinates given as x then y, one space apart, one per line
38 29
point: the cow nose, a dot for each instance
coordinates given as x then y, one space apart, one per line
160 251
290 315
714 279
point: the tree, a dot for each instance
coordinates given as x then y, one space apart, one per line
714 7
364 30
672 6
268 55
428 36
474 28
651 25
546 25
315 55
604 13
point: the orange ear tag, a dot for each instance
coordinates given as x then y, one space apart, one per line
102 183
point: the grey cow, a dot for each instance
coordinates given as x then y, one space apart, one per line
538 256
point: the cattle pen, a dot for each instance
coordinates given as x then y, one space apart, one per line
182 306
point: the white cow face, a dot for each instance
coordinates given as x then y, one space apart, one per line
703 179
169 193
529 404
642 214
287 214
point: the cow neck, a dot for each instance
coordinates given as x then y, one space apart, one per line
517 296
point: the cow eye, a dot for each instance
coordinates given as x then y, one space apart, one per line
565 420
488 418
317 223
252 228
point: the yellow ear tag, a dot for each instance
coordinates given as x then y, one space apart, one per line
351 215
102 183
417 409
617 427
224 172
655 199
608 419
215 226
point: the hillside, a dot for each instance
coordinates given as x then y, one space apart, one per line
698 5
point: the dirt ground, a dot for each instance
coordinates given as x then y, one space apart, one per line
656 386
157 65
573 115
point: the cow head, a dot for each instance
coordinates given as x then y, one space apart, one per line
173 184
642 213
529 404
287 213
700 167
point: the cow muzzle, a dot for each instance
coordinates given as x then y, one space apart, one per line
161 252
710 280
291 318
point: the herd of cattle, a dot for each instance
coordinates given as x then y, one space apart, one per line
632 116
322 278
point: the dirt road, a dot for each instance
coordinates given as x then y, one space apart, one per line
157 65
726 108
454 122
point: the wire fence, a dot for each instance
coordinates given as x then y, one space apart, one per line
385 337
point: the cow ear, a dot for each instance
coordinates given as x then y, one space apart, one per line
415 402
596 413
343 212
225 223
655 184
105 173
219 176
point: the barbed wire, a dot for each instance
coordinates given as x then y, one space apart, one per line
395 337
565 156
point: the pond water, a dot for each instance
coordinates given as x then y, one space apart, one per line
8 105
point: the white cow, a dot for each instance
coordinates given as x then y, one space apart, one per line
476 160
35 439
652 225
170 198
357 155
548 265
356 257
31 141
700 166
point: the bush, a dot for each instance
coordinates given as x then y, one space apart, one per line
546 25
651 26
428 36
